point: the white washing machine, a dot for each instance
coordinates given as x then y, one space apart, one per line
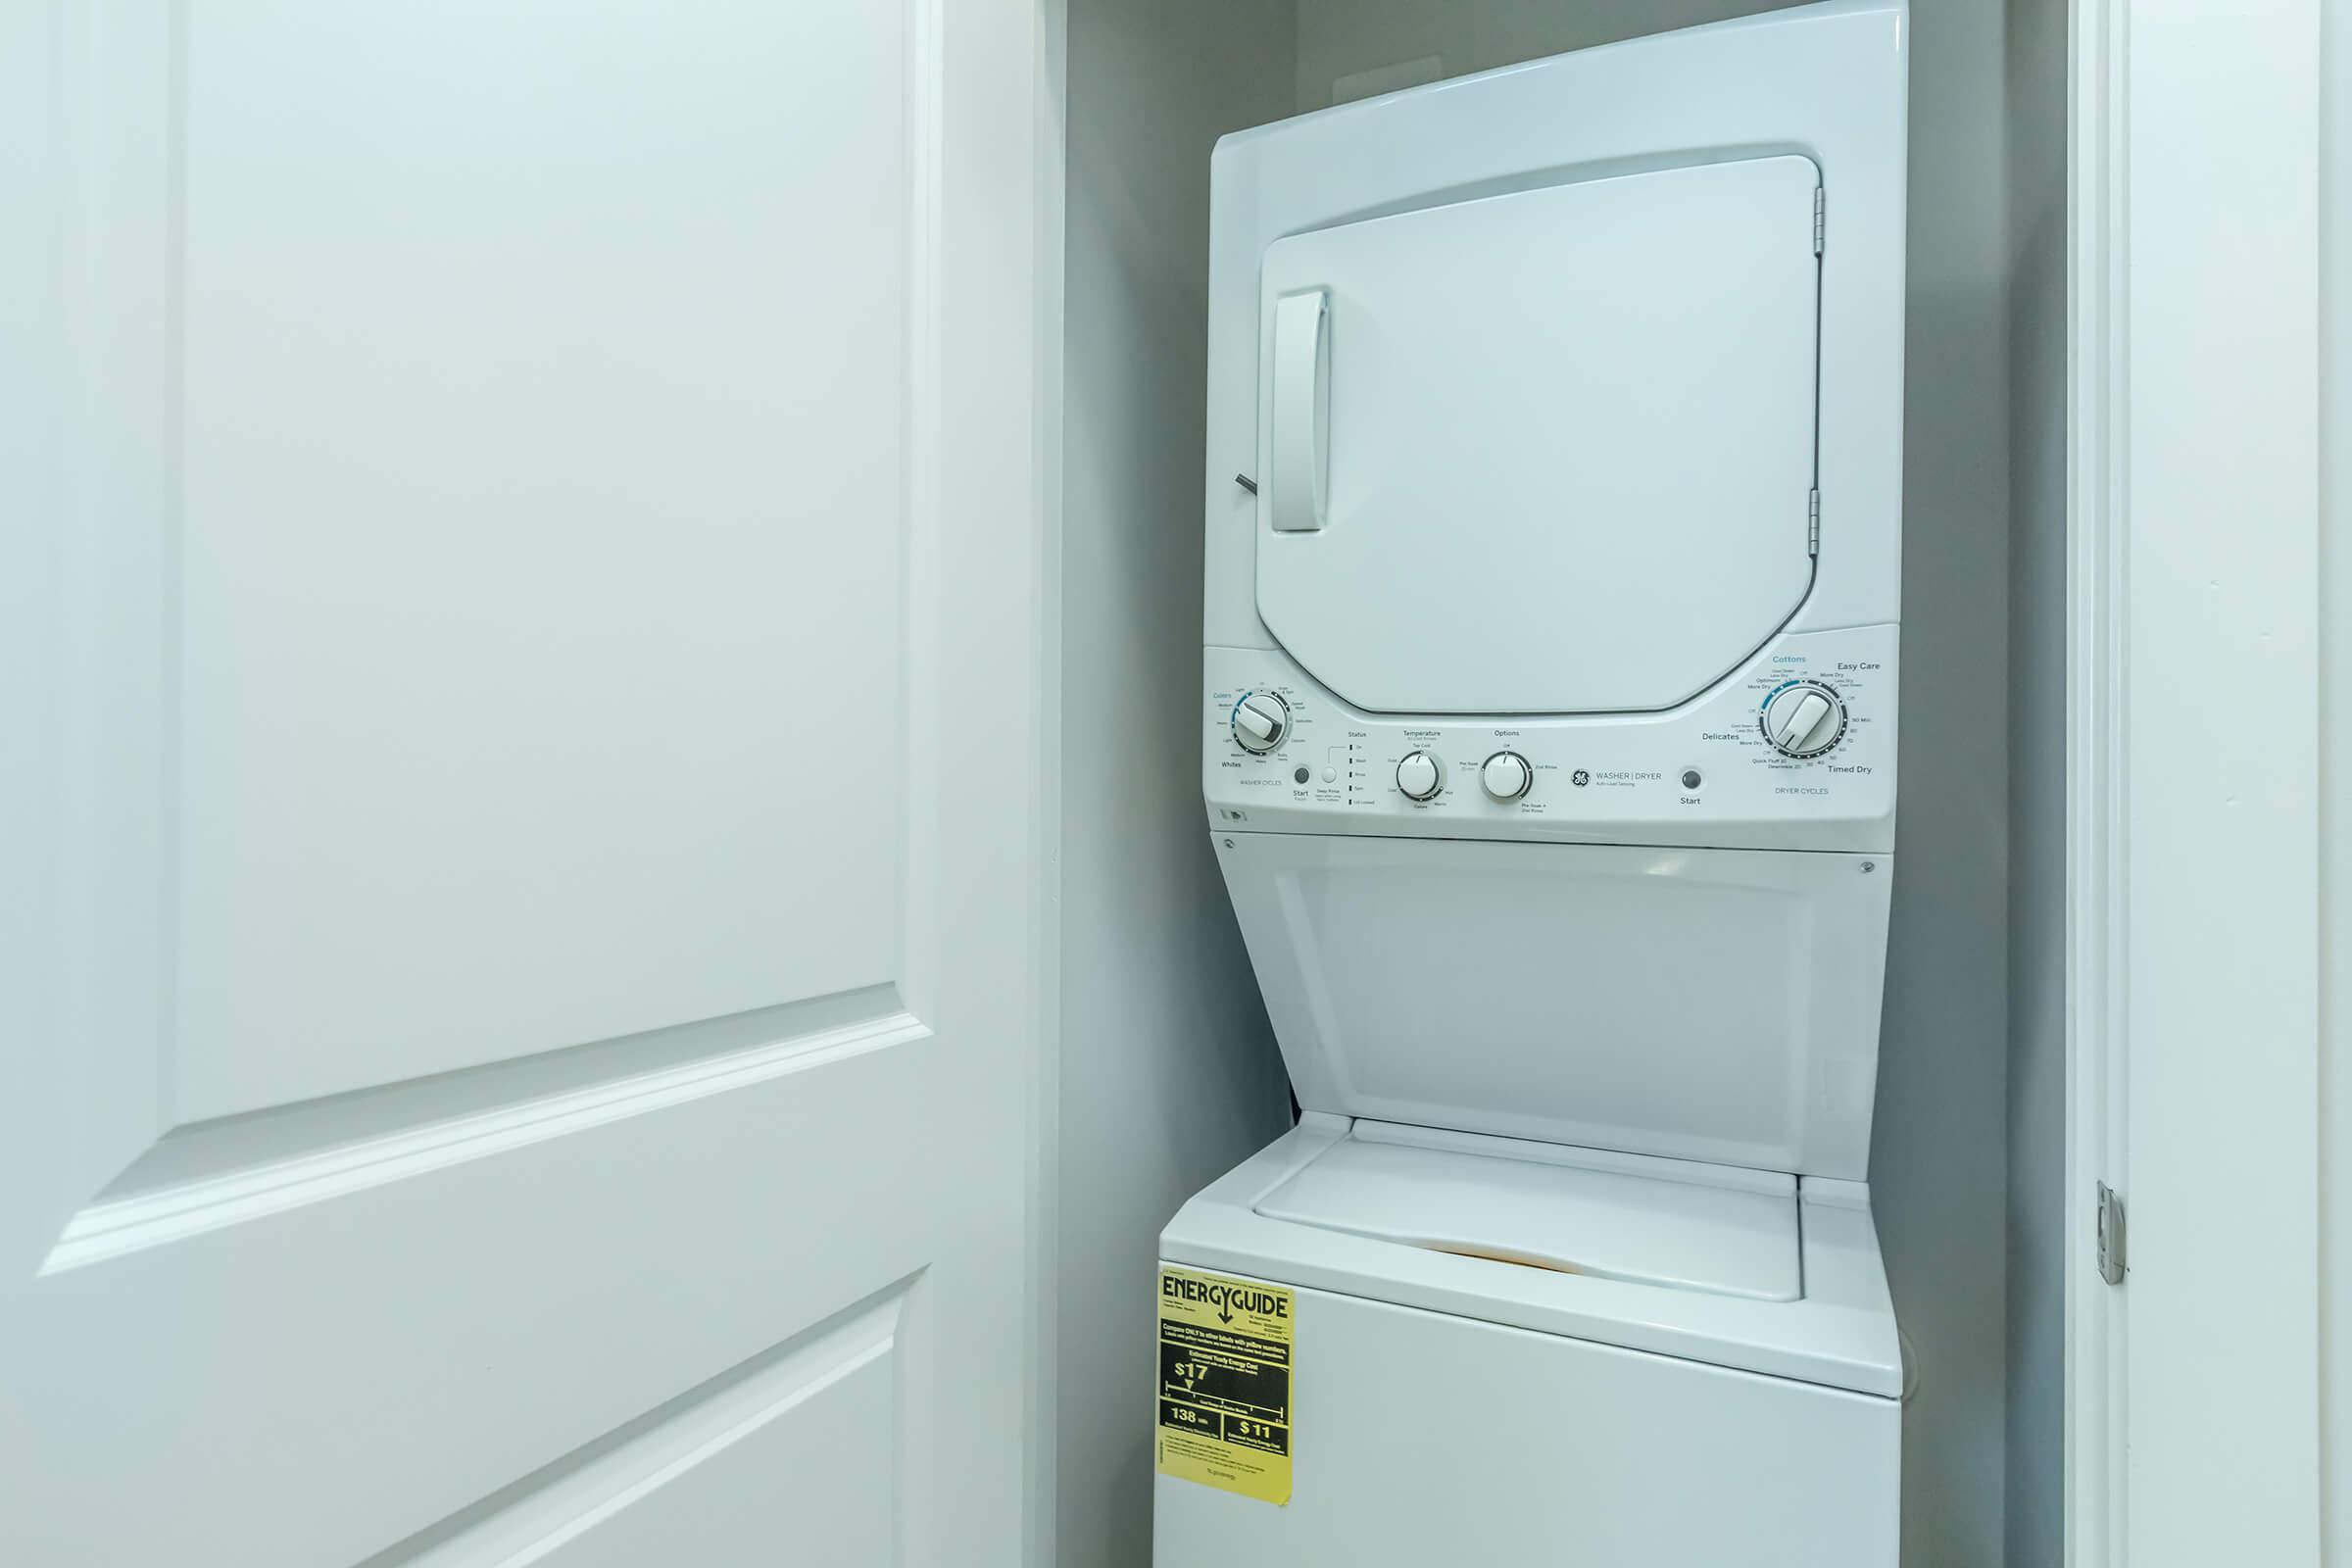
1555 457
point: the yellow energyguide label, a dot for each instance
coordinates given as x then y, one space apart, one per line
1225 1383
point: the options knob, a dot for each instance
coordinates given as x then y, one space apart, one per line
1261 721
1506 775
1419 776
1804 719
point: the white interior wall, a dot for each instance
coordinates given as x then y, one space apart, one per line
2038 603
1168 1073
1939 1173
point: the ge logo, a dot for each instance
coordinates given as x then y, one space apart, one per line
1580 778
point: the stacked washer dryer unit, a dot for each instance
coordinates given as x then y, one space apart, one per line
1554 536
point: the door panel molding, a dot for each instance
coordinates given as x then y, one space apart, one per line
469 1288
122 87
326 1162
538 1517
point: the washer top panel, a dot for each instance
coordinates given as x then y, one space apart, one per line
1840 1332
1547 451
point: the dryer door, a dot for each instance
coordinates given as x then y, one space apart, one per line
1549 452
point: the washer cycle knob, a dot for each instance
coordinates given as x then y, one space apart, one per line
1261 721
1804 719
1419 776
1506 775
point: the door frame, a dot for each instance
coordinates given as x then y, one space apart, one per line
2194 970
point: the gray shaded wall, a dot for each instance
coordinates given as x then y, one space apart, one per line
1339 38
1939 1166
2335 778
2036 1524
1168 1074
1940 1163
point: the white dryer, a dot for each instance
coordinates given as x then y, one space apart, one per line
1553 547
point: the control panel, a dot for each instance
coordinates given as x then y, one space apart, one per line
1796 749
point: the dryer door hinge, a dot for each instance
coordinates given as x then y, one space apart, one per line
1813 523
2112 1262
1820 199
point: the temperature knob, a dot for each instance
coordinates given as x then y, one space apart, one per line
1419 776
1261 721
1506 775
1804 719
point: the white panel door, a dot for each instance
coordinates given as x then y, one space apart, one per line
515 1047
2204 535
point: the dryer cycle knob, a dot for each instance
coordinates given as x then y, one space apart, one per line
1419 776
1261 721
1804 719
1506 775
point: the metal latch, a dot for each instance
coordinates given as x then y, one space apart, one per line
2111 1235
1820 216
1812 522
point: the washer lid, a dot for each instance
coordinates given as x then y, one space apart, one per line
1549 452
1627 1217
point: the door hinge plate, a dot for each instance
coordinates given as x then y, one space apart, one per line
1813 523
1820 214
2112 1260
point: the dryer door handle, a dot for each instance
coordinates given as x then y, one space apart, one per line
1298 475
